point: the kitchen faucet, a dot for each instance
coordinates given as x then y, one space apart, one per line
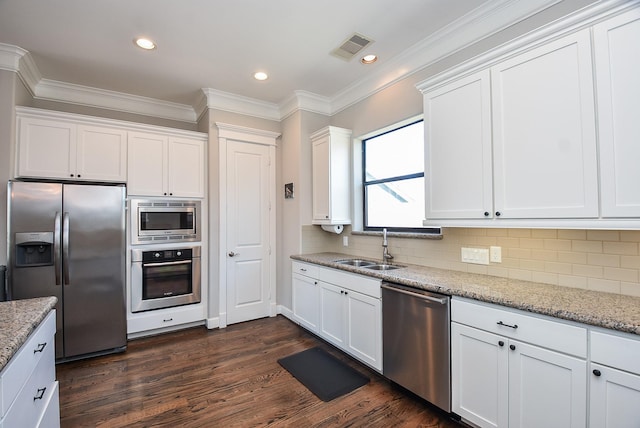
385 250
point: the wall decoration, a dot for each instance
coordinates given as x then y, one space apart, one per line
288 191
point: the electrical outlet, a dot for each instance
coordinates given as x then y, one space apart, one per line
495 254
345 241
478 256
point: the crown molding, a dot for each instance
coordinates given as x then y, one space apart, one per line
87 96
233 103
243 133
304 100
480 23
14 58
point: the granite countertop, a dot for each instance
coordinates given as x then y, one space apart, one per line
18 319
612 311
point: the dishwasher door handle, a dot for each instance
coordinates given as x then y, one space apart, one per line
442 301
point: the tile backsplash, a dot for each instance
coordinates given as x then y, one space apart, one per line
602 260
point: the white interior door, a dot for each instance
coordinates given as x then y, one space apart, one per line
248 266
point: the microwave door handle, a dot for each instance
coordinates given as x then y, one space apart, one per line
56 247
65 248
183 262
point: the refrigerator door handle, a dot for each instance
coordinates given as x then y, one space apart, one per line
65 248
56 247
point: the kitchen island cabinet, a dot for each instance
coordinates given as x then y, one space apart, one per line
28 388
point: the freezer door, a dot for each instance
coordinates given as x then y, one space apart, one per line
34 212
93 238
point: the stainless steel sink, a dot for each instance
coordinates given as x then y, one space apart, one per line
382 267
356 262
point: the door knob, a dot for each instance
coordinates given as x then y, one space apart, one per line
232 254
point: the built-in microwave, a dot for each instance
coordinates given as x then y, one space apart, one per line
156 221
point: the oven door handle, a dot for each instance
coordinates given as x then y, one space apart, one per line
181 262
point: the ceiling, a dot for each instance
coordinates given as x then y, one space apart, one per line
220 44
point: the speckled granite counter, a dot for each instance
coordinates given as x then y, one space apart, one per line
606 310
18 319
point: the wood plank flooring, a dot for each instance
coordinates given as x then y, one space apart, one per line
226 378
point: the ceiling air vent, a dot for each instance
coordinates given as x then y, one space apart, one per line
351 46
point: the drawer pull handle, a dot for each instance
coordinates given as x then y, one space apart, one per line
167 320
303 270
514 326
40 347
40 394
597 372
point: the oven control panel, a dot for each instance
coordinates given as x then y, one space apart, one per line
167 255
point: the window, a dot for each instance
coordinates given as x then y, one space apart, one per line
393 179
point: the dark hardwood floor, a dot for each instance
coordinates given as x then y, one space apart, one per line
226 378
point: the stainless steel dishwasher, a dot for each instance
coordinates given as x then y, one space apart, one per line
415 340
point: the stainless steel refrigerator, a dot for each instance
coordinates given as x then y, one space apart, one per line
68 241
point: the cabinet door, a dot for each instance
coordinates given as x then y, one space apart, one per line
147 164
458 149
321 154
479 376
546 388
617 70
186 168
101 154
614 398
306 306
364 328
333 314
545 159
47 149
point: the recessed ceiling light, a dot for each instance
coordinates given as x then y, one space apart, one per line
369 59
260 75
145 43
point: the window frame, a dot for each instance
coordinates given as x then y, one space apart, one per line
366 183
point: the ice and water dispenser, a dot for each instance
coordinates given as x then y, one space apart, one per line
34 249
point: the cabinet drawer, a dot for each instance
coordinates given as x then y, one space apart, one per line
32 400
165 318
40 344
616 351
352 281
305 269
539 331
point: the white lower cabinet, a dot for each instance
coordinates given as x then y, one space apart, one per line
506 371
28 386
614 381
305 301
343 308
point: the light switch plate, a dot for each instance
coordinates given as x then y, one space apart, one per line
478 256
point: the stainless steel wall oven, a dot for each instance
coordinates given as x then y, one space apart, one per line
164 278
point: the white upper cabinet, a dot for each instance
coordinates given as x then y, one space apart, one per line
539 133
458 126
56 148
161 165
544 145
617 61
330 176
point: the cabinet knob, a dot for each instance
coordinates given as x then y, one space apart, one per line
501 343
70 175
498 213
315 282
486 213
326 216
597 372
512 347
79 176
170 194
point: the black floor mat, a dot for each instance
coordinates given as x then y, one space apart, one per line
323 374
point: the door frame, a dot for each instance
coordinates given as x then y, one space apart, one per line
226 133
